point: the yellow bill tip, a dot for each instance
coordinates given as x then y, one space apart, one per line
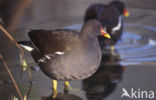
126 13
107 35
104 33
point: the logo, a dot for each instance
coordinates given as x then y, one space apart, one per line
138 93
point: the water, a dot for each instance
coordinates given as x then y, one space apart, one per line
132 67
133 51
133 48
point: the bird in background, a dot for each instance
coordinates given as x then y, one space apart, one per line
110 17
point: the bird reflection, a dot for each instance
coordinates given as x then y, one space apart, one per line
61 96
104 81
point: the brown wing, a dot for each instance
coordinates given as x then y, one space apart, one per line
50 41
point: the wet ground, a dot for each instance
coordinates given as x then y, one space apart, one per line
135 67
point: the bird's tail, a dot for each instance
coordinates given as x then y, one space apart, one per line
26 45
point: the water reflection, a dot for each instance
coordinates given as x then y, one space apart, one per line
61 96
105 80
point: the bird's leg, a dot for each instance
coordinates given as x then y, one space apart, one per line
54 95
66 87
112 50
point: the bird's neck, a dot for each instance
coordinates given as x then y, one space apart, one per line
118 26
87 34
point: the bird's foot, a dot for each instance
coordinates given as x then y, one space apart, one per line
54 94
66 87
112 50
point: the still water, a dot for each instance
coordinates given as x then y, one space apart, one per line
132 51
133 66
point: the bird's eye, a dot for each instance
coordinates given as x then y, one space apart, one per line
104 28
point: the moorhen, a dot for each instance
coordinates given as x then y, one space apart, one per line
65 54
110 17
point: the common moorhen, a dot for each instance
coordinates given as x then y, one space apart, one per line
110 17
65 54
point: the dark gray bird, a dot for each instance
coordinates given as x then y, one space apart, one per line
110 17
65 54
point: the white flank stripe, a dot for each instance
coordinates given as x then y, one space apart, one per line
117 27
27 47
47 56
41 60
59 53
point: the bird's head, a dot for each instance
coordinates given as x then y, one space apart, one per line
120 7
